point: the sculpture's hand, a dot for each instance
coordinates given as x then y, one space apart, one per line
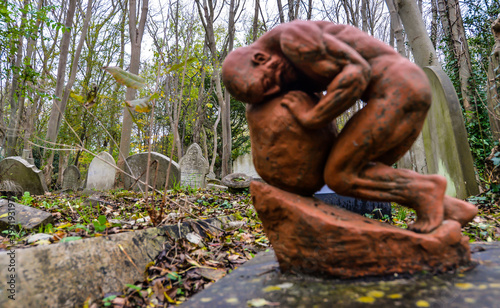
297 103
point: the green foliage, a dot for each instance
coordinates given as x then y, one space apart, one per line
477 18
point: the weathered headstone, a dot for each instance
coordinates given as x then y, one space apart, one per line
244 164
28 217
136 165
194 167
71 178
102 171
445 139
24 174
356 205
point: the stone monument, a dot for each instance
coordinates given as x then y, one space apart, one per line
194 167
295 149
23 174
137 164
71 178
102 171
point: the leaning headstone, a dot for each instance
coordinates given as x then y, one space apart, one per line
445 139
136 165
24 174
27 217
102 171
71 178
356 205
194 167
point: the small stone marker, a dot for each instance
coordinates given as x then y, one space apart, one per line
194 167
102 171
356 205
136 165
24 174
28 217
71 178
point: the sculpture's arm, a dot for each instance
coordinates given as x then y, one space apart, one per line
328 60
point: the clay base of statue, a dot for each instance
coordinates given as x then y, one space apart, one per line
311 237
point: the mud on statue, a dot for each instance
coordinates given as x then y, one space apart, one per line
294 145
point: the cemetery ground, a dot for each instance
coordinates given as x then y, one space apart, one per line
188 265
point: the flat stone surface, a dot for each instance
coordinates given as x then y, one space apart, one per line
261 278
28 217
26 175
136 165
102 171
66 274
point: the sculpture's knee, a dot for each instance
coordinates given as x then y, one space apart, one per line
340 182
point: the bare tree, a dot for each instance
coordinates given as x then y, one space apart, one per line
494 82
136 31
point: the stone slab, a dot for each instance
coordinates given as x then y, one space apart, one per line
28 217
66 274
359 206
261 278
26 175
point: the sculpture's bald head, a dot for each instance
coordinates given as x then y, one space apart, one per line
251 74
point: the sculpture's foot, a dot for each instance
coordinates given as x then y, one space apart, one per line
459 210
430 209
311 237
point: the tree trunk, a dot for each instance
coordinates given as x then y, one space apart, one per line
397 27
449 11
52 127
14 95
255 21
280 10
494 82
136 32
420 43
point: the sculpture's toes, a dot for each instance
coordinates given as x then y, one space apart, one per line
423 225
459 210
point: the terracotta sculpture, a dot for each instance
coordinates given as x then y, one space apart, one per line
290 63
296 79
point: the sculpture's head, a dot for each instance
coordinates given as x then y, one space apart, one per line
251 74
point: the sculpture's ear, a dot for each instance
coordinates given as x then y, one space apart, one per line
260 57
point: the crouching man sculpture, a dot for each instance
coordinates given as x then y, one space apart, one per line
296 149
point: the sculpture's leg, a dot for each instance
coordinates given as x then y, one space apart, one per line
377 136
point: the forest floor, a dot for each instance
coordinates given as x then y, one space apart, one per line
185 268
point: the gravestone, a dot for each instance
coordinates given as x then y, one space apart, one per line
71 178
356 205
194 167
244 164
102 171
447 149
27 217
136 165
24 174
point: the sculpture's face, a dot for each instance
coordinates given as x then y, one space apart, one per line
252 75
